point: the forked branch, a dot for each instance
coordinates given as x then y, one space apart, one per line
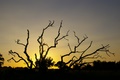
28 62
75 47
42 44
95 54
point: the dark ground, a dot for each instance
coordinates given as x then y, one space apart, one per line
12 74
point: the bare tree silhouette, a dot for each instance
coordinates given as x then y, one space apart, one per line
1 60
28 61
78 60
43 62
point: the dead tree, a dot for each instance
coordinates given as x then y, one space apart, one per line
27 60
41 62
78 60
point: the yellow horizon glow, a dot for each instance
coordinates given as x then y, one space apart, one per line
54 53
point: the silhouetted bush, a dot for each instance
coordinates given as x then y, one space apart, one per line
1 60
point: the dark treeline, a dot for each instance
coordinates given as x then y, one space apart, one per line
103 65
88 71
95 65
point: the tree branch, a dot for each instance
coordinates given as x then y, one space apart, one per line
21 58
14 60
40 39
75 47
18 42
30 62
56 39
103 48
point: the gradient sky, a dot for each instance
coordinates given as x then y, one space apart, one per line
98 19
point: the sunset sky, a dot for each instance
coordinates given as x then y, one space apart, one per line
98 19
